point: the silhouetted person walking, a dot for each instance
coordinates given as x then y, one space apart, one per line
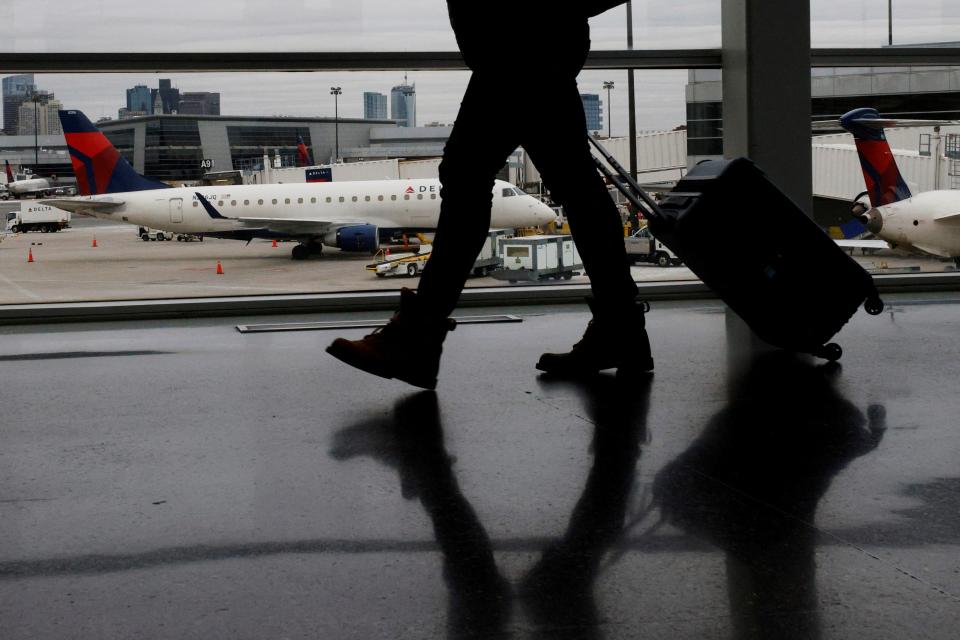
537 106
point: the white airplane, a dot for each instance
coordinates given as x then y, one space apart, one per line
927 222
351 216
28 187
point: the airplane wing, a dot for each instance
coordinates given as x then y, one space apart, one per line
948 216
862 244
294 226
82 206
309 226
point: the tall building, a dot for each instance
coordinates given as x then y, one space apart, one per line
139 99
16 89
199 103
168 97
593 109
403 105
167 100
374 106
39 115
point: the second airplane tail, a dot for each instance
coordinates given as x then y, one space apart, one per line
97 164
884 182
6 164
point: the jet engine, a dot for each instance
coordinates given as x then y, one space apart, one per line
872 220
361 237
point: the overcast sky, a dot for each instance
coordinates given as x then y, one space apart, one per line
394 25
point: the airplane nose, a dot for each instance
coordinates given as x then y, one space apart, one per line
872 220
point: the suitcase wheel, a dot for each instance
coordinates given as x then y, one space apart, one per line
831 352
873 306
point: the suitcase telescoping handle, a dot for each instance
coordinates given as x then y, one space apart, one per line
631 190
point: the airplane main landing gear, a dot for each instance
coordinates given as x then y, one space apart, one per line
306 249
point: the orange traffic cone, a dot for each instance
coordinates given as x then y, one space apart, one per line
219 268
94 245
274 243
30 255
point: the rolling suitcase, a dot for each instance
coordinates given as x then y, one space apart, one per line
758 251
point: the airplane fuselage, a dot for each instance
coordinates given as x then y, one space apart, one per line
386 204
21 188
928 222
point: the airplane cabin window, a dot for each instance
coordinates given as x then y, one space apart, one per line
313 201
367 198
220 203
233 203
286 201
329 199
195 203
260 201
354 198
393 197
380 198
406 197
246 202
274 201
419 196
299 200
342 199
433 196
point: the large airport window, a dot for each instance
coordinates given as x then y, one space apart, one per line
679 120
172 131
172 164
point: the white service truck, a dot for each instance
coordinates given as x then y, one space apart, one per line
643 247
37 217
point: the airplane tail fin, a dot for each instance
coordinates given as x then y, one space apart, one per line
303 155
97 164
6 164
884 182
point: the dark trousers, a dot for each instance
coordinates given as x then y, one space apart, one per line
544 116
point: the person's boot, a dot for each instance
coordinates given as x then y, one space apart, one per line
616 338
408 348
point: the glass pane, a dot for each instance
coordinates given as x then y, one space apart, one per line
866 23
255 140
309 25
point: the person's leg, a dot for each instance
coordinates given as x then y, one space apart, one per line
478 147
560 150
482 139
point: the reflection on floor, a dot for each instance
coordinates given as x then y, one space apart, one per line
181 480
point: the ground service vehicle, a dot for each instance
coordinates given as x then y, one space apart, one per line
643 247
37 217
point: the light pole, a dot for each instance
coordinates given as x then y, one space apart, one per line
631 97
336 91
608 85
890 21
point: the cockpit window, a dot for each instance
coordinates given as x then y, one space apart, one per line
518 191
508 192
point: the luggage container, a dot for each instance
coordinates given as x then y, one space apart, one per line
534 258
489 259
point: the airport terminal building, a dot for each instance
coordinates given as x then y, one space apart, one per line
178 148
896 92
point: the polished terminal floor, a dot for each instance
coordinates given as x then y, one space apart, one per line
179 479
